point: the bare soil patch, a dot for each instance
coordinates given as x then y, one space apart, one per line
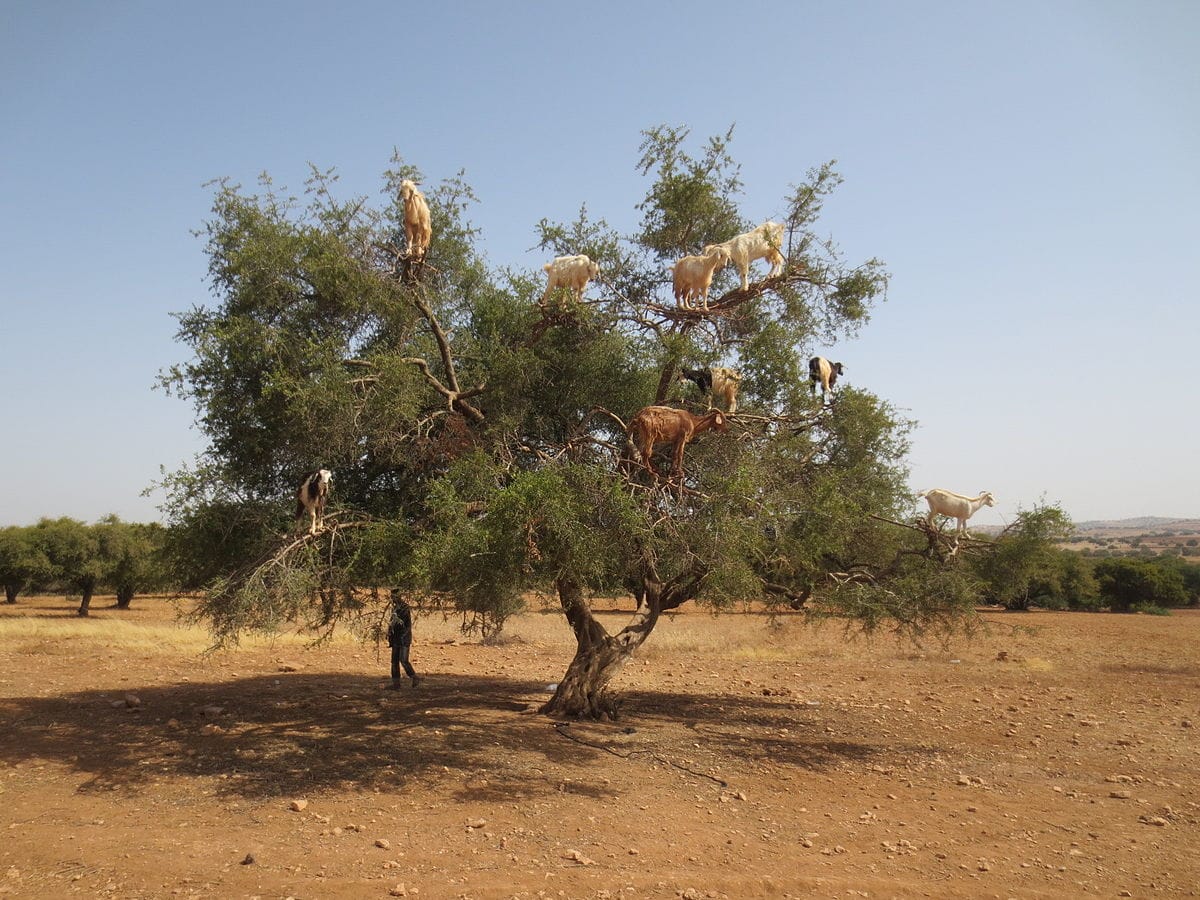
1053 755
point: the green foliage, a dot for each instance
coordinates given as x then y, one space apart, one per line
134 557
1024 562
1127 583
74 551
23 560
690 204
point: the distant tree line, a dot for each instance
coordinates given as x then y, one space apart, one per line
71 557
1019 569
1027 569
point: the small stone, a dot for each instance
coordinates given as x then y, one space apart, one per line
578 857
399 890
298 805
249 860
1158 821
117 704
1120 795
477 823
383 844
212 728
132 700
289 667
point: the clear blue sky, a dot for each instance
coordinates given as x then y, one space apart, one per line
1029 171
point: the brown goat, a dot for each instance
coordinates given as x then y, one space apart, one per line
665 424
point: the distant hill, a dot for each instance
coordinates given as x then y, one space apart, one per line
1141 523
1140 536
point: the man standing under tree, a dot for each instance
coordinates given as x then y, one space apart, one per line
399 637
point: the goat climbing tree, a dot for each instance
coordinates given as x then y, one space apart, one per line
477 439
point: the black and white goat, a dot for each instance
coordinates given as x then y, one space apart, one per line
714 382
822 371
311 497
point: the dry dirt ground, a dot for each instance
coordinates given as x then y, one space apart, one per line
1053 755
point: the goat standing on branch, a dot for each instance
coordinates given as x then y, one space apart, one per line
716 381
417 228
692 276
822 371
311 498
571 272
763 242
954 506
665 424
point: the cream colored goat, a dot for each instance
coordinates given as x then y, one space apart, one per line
417 228
693 275
763 242
955 506
667 425
572 272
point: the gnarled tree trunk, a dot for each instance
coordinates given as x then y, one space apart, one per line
10 592
124 596
599 656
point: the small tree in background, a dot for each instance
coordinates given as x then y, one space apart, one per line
74 551
132 554
22 560
1024 561
1128 583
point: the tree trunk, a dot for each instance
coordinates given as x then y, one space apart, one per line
124 597
599 656
87 599
10 592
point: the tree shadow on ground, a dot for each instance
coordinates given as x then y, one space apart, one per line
303 733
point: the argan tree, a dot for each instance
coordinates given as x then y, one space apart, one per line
477 438
22 560
76 560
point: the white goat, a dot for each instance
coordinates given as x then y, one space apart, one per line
693 275
716 382
572 272
955 506
822 371
763 242
311 497
417 228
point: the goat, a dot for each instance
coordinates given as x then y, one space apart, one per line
693 275
665 424
954 506
573 272
311 497
716 381
826 373
417 228
762 242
